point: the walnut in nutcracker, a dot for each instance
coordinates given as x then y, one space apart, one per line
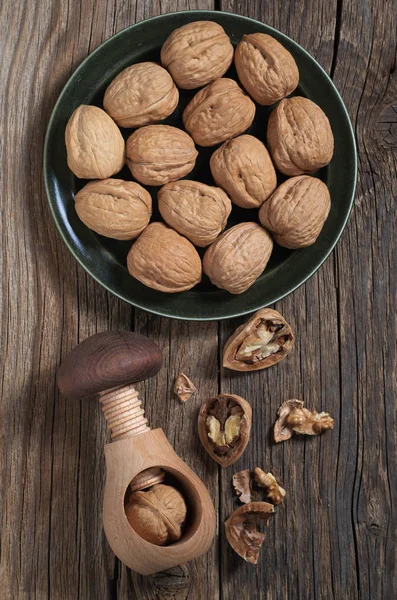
164 260
299 136
237 257
265 68
141 94
197 53
114 208
296 212
243 168
94 145
218 112
157 154
262 342
194 209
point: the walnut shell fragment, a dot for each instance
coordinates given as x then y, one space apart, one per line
197 53
164 260
265 68
184 388
143 93
224 427
296 211
243 168
237 257
260 343
299 136
293 418
242 485
218 112
241 529
114 208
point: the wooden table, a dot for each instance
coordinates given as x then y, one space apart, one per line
335 535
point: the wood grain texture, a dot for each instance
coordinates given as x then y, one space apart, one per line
335 536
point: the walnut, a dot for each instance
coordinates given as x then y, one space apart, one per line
247 484
224 426
196 210
197 53
141 94
241 530
218 112
262 342
293 418
243 168
242 484
299 136
265 68
157 514
114 208
237 257
183 387
274 491
297 211
164 260
94 144
157 154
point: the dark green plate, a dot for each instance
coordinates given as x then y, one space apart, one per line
105 259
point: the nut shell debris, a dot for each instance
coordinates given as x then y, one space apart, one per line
241 529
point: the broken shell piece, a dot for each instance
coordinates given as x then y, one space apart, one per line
184 387
242 485
274 491
292 417
241 529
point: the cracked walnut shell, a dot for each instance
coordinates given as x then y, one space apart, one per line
296 211
94 145
194 209
218 112
241 529
265 68
237 257
164 260
197 53
114 208
243 168
157 154
143 93
262 342
299 136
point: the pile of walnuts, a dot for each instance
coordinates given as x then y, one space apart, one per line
299 139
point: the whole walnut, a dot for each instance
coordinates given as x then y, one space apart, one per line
218 112
243 168
164 260
297 211
157 154
197 53
198 211
114 208
94 144
299 136
157 514
141 94
265 68
237 257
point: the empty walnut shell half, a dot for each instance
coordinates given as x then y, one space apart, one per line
241 529
237 257
218 112
243 168
94 144
114 208
157 154
260 343
141 94
198 211
297 211
164 260
197 53
299 136
265 68
224 426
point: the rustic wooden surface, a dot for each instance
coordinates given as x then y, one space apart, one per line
335 536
